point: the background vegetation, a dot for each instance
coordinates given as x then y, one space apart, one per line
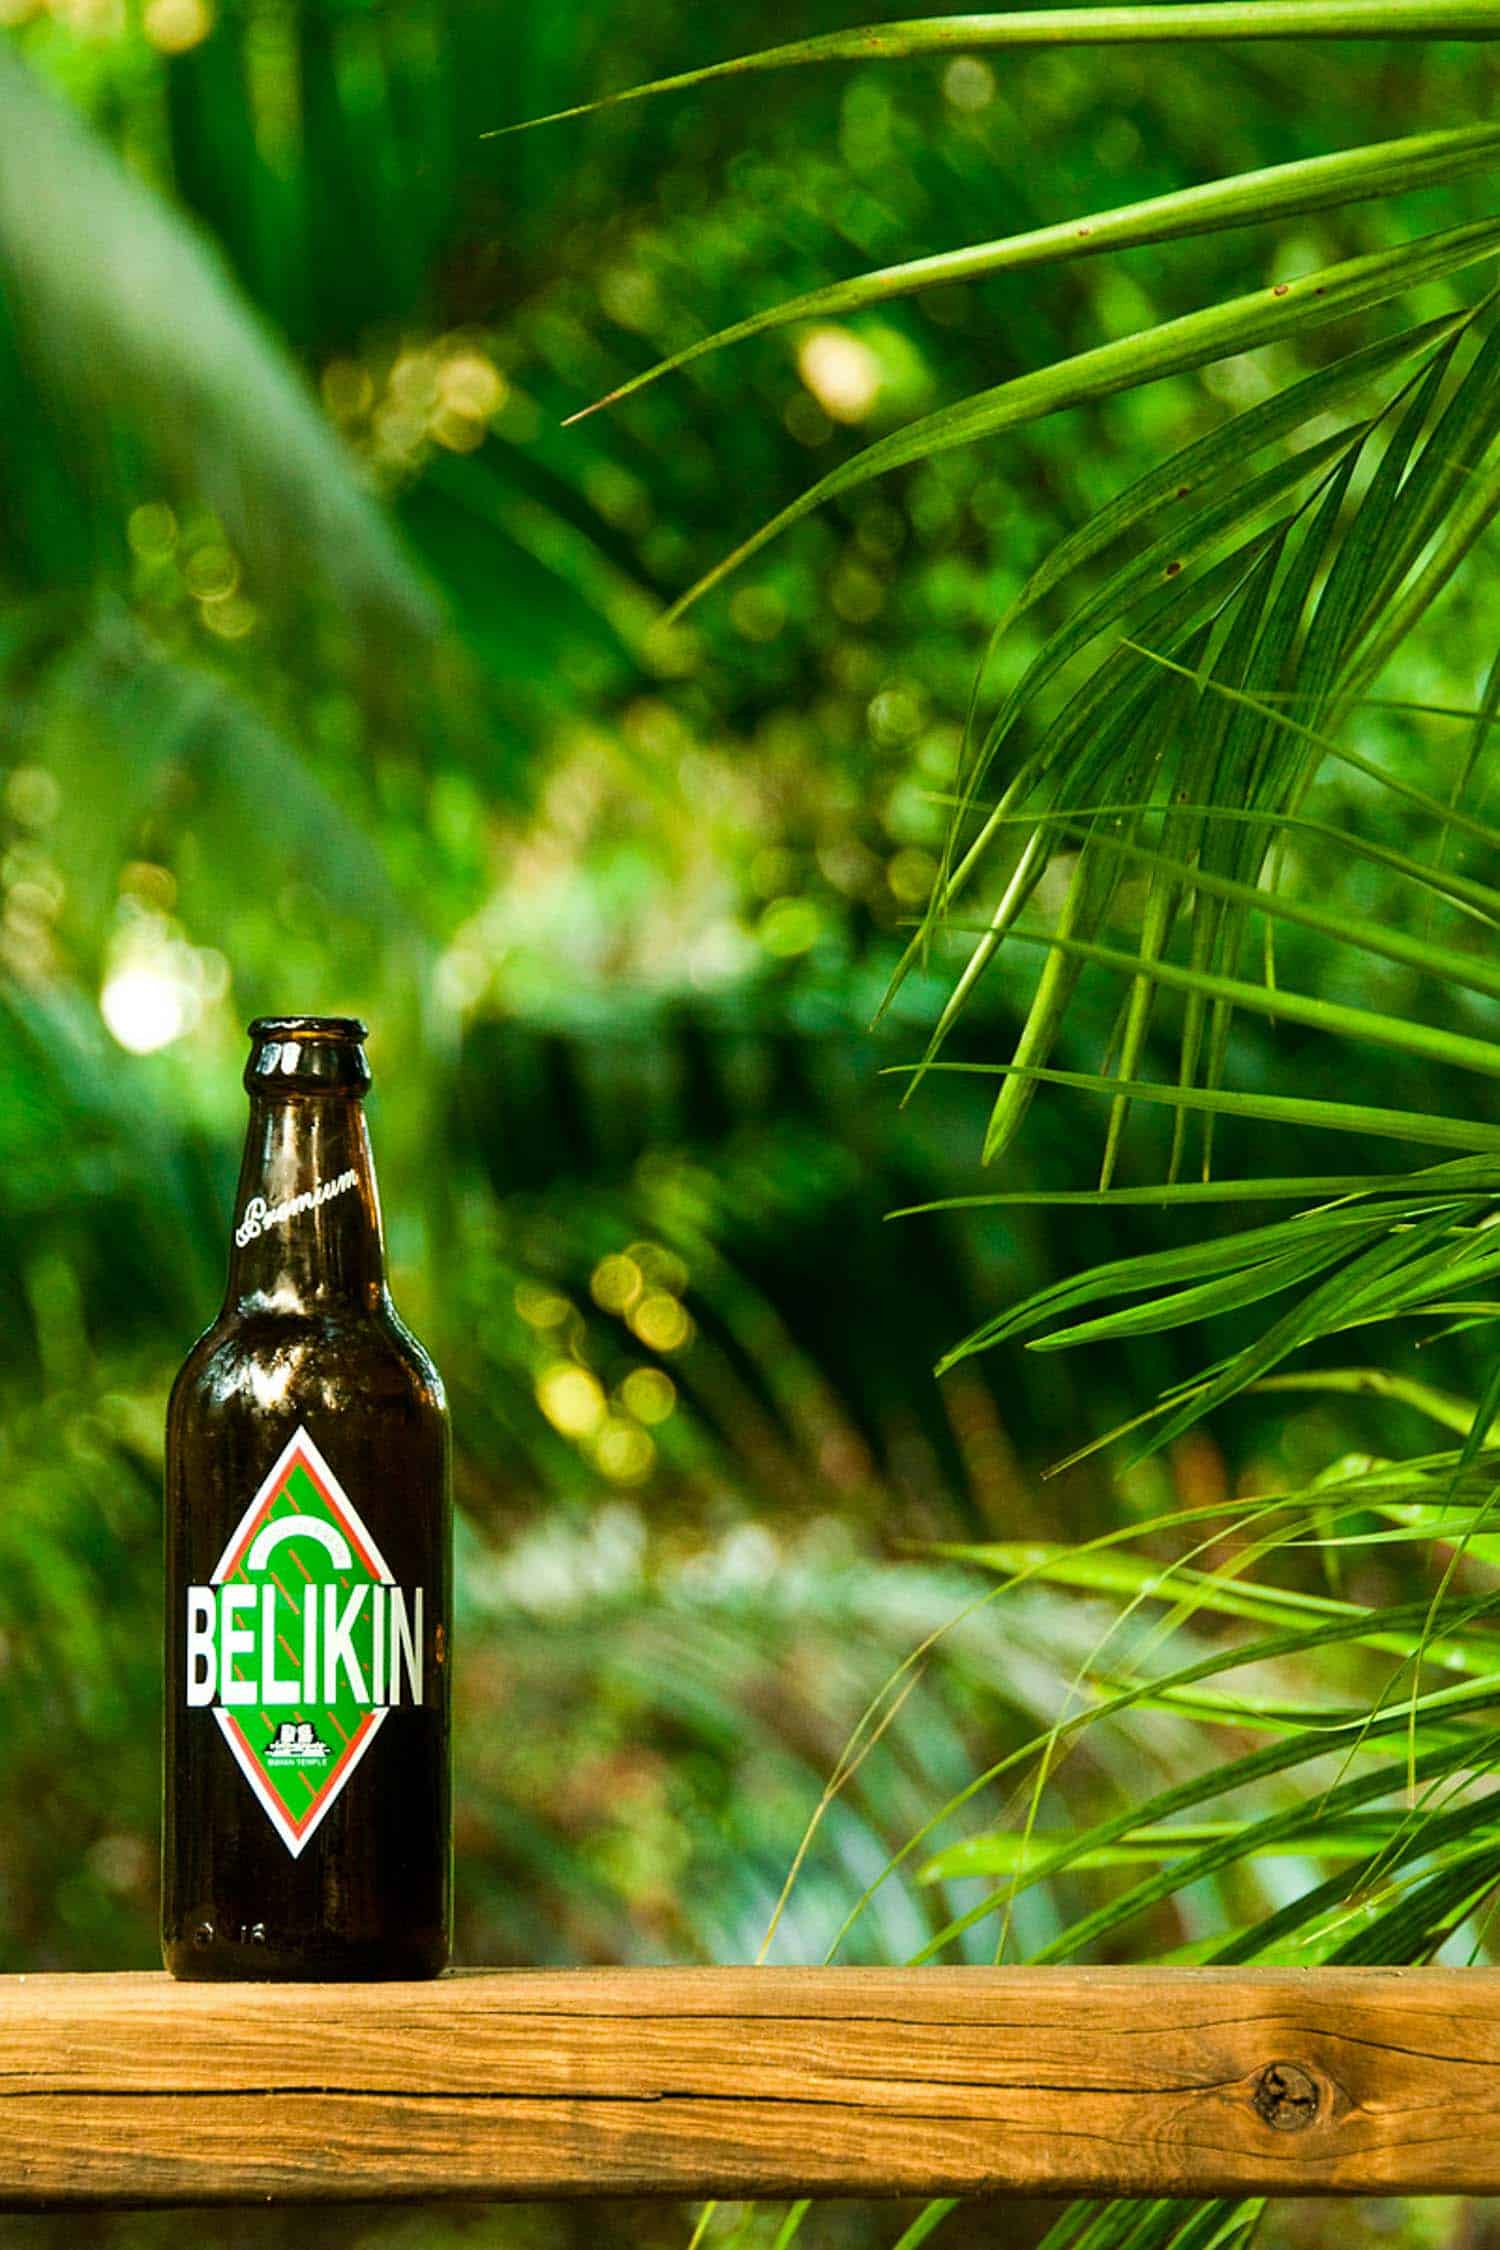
336 673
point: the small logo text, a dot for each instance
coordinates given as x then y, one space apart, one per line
258 1215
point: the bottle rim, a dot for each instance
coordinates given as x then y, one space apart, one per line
309 1028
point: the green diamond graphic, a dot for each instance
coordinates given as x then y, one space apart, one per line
301 1725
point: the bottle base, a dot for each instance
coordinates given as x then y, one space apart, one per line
383 1963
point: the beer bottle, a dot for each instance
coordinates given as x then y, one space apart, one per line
308 1566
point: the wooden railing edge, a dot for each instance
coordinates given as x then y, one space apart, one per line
129 2090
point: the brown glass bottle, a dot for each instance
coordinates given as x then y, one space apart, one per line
308 1564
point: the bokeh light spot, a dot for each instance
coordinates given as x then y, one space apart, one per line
145 1008
151 530
649 1393
969 83
660 1321
625 1452
175 26
571 1398
842 373
790 926
539 1306
615 1283
33 797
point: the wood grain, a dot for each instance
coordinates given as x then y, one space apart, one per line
687 2082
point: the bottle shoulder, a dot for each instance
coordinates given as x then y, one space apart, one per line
264 1358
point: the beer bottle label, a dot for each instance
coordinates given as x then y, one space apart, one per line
302 1642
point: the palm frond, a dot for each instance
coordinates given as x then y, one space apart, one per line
91 257
1174 347
1280 191
1190 21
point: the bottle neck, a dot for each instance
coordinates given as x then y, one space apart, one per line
306 1233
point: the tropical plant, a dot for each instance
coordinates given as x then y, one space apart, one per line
330 663
235 772
1213 775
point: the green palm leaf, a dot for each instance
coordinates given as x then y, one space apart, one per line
1364 1118
1334 1017
90 257
1156 748
1186 20
1172 348
1281 191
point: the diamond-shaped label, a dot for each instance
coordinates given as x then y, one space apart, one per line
301 1642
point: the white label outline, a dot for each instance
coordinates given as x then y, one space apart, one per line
296 1841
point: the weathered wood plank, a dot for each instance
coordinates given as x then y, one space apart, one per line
131 2090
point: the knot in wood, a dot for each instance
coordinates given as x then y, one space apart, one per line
1287 2097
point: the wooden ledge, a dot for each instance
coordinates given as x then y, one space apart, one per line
752 2082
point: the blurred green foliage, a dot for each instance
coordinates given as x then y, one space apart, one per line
334 675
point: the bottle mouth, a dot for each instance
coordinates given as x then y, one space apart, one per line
309 1027
307 1055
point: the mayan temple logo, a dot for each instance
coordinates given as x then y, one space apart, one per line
302 1642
